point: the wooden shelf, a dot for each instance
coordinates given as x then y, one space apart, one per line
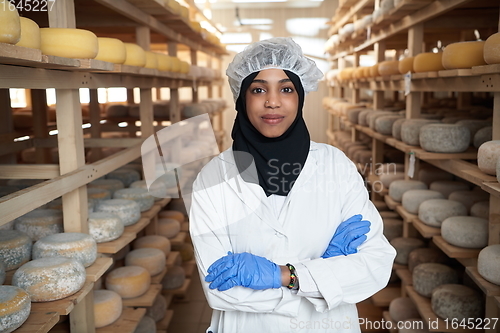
66 305
384 297
454 251
470 154
162 325
116 245
172 258
407 217
425 230
179 240
127 323
137 227
98 268
39 322
156 279
152 212
398 266
179 291
486 69
492 188
391 203
144 300
463 169
488 288
405 276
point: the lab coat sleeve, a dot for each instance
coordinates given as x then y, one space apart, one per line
352 278
211 242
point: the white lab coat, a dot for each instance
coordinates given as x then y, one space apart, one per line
237 216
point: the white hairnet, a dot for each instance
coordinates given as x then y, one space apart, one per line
278 52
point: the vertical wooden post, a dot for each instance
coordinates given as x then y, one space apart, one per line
38 99
355 91
7 124
175 114
62 14
194 89
210 92
143 39
95 123
378 95
496 116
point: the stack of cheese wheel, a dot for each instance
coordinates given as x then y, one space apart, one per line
40 223
30 34
111 50
10 24
15 248
428 276
492 49
128 211
403 248
399 187
153 241
15 306
153 260
105 227
465 231
425 255
69 43
75 245
488 263
107 184
49 279
434 211
139 195
456 302
129 281
126 175
108 307
428 62
463 55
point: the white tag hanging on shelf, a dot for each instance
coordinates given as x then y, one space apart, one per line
407 83
368 33
411 166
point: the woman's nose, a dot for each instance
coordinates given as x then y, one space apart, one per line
272 102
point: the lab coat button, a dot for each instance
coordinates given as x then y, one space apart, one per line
278 234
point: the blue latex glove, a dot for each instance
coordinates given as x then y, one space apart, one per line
243 269
349 235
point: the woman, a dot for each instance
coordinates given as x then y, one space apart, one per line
270 244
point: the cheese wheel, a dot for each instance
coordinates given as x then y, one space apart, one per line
406 65
136 56
187 251
2 273
151 60
425 255
69 43
172 214
434 211
107 184
444 138
153 241
428 62
403 248
396 128
399 187
146 325
15 307
129 281
374 71
168 227
487 156
465 231
386 68
49 279
105 227
383 124
40 223
15 248
413 198
10 25
184 67
98 194
481 209
128 211
75 245
428 276
174 278
8 225
457 302
353 115
468 198
410 130
153 260
159 308
488 263
446 187
175 64
108 307
139 195
491 49
111 50
30 34
388 178
429 175
164 62
474 125
157 190
463 55
402 308
126 175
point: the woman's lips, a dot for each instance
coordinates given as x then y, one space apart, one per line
272 119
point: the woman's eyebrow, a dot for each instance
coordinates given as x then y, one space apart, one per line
264 81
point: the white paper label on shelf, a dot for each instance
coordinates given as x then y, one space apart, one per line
407 83
368 33
411 167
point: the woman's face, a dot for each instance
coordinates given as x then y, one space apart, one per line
271 102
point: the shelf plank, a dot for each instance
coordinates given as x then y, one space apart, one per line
94 64
56 62
137 227
163 324
127 323
18 55
405 276
144 300
488 288
486 69
405 215
39 322
425 230
384 297
398 266
98 268
456 72
116 245
152 212
491 188
455 251
392 325
66 305
470 154
179 291
463 169
391 203
156 279
179 239
172 258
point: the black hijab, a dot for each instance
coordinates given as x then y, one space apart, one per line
278 160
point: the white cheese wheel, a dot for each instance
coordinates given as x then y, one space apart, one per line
174 278
428 62
429 175
40 223
159 308
157 190
402 308
456 301
474 125
15 307
481 209
108 307
172 214
413 198
371 118
10 25
388 178
428 276
362 117
125 175
146 325
491 49
399 187
383 124
164 62
444 138
396 128
15 248
487 156
98 194
463 55
107 184
111 50
129 281
30 34
139 195
353 114
410 130
425 255
105 227
49 279
446 187
406 65
153 260
488 263
168 227
69 43
2 273
136 56
389 168
153 241
403 248
483 135
391 67
151 60
74 245
465 231
393 228
129 211
469 198
434 211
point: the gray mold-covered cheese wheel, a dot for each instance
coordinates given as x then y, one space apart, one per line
15 248
488 263
153 241
15 308
481 209
428 276
372 118
450 301
434 211
129 211
468 198
383 124
465 231
403 248
105 227
174 278
117 110
139 195
387 178
483 135
430 175
446 187
98 194
153 260
410 130
362 117
129 281
49 279
40 223
159 308
425 255
413 325
487 156
353 114
473 125
108 307
2 273
156 189
75 245
146 325
413 198
125 175
168 227
444 138
393 228
396 128
399 187
8 225
107 184
402 308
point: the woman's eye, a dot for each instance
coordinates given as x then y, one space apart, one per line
257 90
288 90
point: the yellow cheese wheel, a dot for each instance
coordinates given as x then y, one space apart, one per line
386 68
168 227
15 248
406 65
30 34
164 62
108 307
358 73
374 70
153 241
185 67
129 281
428 62
136 56
153 260
463 55
174 6
492 49
151 60
175 64
184 11
111 50
69 43
10 25
15 307
366 72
